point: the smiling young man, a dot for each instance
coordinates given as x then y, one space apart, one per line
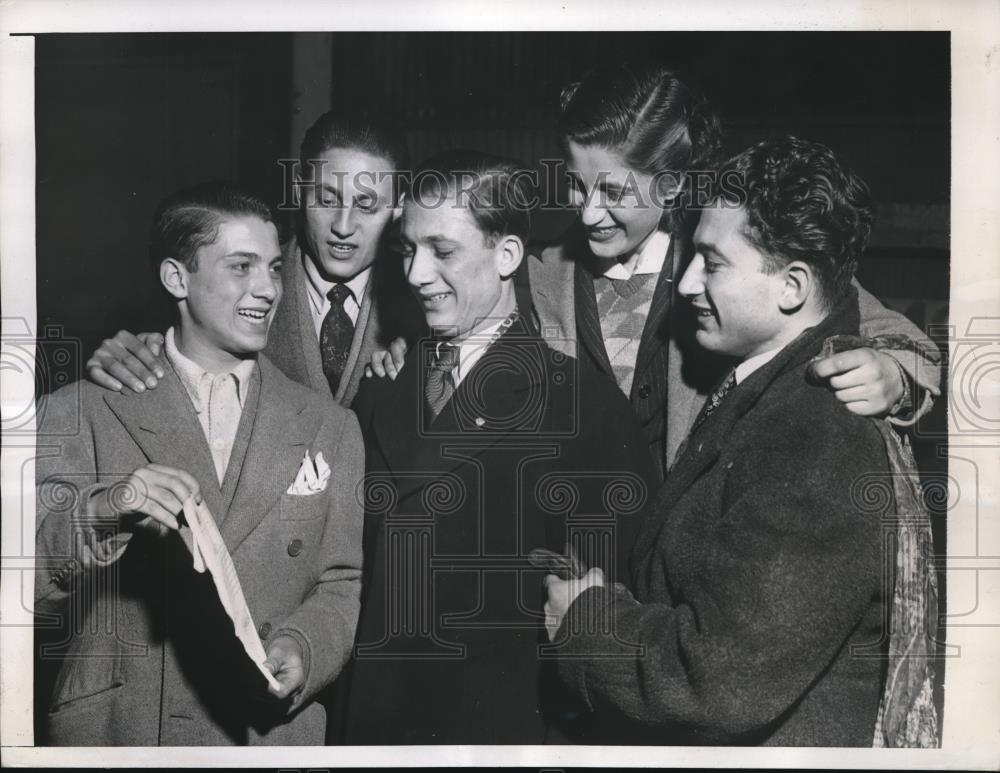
489 444
344 298
762 578
226 428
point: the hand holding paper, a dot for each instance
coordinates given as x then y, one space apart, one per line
284 659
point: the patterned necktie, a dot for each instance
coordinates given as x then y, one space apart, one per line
715 399
440 386
335 336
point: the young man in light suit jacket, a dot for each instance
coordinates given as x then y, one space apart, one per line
152 658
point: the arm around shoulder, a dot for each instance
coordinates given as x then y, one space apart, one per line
920 362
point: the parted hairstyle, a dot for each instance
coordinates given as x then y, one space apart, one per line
190 218
369 128
654 121
802 203
498 192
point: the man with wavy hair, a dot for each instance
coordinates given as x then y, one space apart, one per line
761 578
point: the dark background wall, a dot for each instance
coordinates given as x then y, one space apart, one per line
123 119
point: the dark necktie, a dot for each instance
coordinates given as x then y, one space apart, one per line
440 386
335 336
715 399
710 406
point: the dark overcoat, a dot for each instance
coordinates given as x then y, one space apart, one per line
531 451
760 575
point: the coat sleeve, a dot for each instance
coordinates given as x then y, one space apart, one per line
71 536
924 371
790 572
324 624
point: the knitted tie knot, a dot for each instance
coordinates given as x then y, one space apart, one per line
445 357
439 386
338 295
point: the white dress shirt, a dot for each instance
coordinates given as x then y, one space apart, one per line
649 260
218 399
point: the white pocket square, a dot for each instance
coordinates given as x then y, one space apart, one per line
312 477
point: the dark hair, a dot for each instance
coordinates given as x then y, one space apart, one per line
499 192
367 128
803 204
190 218
655 122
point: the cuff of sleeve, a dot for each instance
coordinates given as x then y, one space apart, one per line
105 535
905 402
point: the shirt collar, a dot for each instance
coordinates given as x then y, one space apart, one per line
318 287
748 366
649 261
192 375
471 350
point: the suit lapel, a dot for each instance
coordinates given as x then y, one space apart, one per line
407 446
305 340
396 426
588 322
164 425
703 446
553 297
366 332
654 332
281 433
241 442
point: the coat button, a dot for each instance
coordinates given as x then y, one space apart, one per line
644 391
265 630
294 547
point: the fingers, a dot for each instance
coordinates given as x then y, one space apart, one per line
864 408
284 660
188 483
149 346
161 492
398 351
126 360
154 342
97 374
855 394
383 363
841 362
375 367
391 368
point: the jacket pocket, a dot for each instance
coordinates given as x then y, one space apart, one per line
86 677
303 507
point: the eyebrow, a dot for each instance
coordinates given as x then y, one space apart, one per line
251 256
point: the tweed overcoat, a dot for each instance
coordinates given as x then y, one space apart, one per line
151 657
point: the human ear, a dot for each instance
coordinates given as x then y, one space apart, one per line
668 187
509 253
799 283
174 277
